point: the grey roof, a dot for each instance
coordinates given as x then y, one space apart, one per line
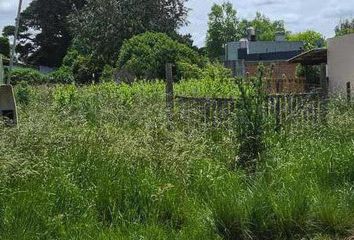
274 46
262 47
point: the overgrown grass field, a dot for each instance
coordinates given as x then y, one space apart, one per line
99 162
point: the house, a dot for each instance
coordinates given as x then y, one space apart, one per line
245 56
340 63
336 64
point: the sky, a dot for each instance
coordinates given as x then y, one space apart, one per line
299 15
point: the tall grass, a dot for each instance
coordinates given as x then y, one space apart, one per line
99 162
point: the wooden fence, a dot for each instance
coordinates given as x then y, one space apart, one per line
283 108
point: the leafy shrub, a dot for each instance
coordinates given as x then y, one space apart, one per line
23 93
70 58
28 75
213 80
145 55
250 120
79 66
312 73
62 75
86 69
107 74
4 46
189 70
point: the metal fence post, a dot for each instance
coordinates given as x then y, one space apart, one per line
169 93
349 92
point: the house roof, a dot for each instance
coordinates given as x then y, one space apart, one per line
271 56
262 50
312 57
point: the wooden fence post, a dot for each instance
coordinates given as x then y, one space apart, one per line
169 93
349 92
277 107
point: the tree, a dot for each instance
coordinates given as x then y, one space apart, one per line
44 31
4 46
345 27
265 28
223 24
311 39
145 55
104 24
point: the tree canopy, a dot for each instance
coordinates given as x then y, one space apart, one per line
145 55
345 27
224 26
44 31
311 39
4 46
103 25
266 29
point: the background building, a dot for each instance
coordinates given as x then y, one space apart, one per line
341 63
245 56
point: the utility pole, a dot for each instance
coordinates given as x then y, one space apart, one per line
15 40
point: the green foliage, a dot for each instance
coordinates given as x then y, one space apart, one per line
310 38
28 75
86 69
345 27
70 58
62 75
107 74
23 93
104 25
222 28
44 31
213 80
2 71
145 55
265 28
8 31
4 46
99 162
250 120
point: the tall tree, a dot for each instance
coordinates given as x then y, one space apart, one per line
103 25
4 46
44 32
265 28
311 39
223 24
345 27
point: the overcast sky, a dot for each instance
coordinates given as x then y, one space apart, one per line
299 15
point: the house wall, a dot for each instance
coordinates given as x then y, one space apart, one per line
340 63
283 72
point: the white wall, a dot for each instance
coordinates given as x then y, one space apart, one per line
341 63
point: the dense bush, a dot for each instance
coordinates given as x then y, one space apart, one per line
4 46
107 74
28 75
213 80
80 67
62 75
86 69
145 55
23 93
